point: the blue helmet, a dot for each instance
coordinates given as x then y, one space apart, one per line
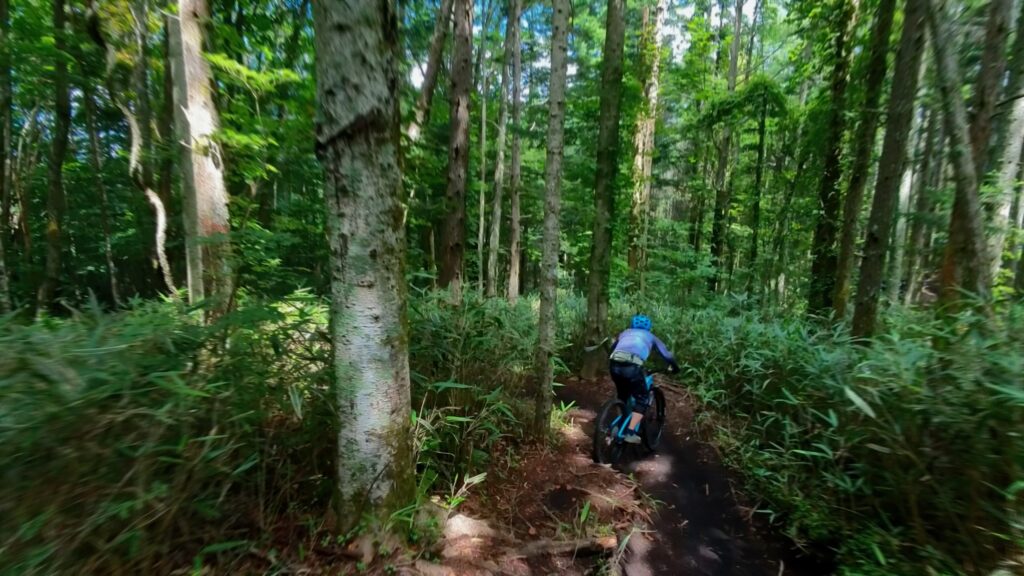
640 322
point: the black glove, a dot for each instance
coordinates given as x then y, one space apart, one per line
673 368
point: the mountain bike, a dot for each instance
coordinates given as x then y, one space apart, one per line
613 421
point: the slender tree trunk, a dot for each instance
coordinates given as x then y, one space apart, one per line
965 263
514 174
482 210
643 144
1012 144
140 85
499 161
898 242
923 202
421 113
56 203
546 345
6 138
205 197
863 147
454 233
166 122
604 187
357 141
723 196
824 259
101 187
890 168
755 210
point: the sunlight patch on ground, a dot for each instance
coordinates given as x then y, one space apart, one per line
657 468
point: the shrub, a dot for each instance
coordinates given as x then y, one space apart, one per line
902 454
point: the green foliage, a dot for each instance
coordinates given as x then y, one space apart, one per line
901 455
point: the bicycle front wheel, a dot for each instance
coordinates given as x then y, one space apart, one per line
654 424
607 446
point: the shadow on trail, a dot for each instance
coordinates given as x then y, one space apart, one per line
698 527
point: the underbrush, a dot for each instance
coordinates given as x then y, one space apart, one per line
905 456
144 441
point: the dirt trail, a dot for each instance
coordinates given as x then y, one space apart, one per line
698 528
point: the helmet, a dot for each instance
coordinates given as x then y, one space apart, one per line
640 322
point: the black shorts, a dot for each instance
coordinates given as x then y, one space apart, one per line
630 380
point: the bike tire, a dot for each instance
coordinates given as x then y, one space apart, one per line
606 449
654 424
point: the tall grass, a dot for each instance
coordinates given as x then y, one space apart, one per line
144 441
905 455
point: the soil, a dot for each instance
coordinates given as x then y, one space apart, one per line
698 526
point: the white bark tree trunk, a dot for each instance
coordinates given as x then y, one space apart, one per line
207 249
499 159
552 208
357 142
514 173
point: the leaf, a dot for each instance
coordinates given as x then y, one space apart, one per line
223 546
859 402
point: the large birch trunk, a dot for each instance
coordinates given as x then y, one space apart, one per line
499 160
604 188
891 168
357 141
546 344
454 233
207 249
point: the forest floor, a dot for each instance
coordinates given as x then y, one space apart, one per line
674 512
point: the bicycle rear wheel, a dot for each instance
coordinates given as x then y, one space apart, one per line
607 447
654 424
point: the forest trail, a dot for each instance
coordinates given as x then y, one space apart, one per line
699 528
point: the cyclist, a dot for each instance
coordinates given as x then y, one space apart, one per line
626 365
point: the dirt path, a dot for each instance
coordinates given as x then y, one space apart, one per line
698 528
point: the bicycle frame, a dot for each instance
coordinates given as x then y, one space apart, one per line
620 424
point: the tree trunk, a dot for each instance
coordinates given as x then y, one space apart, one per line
97 162
499 161
898 243
166 122
965 264
482 210
604 187
546 345
453 240
723 196
514 174
56 203
863 147
823 248
890 168
421 113
140 85
6 138
643 144
1012 144
205 197
755 210
923 202
358 53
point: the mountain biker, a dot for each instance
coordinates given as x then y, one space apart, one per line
626 365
